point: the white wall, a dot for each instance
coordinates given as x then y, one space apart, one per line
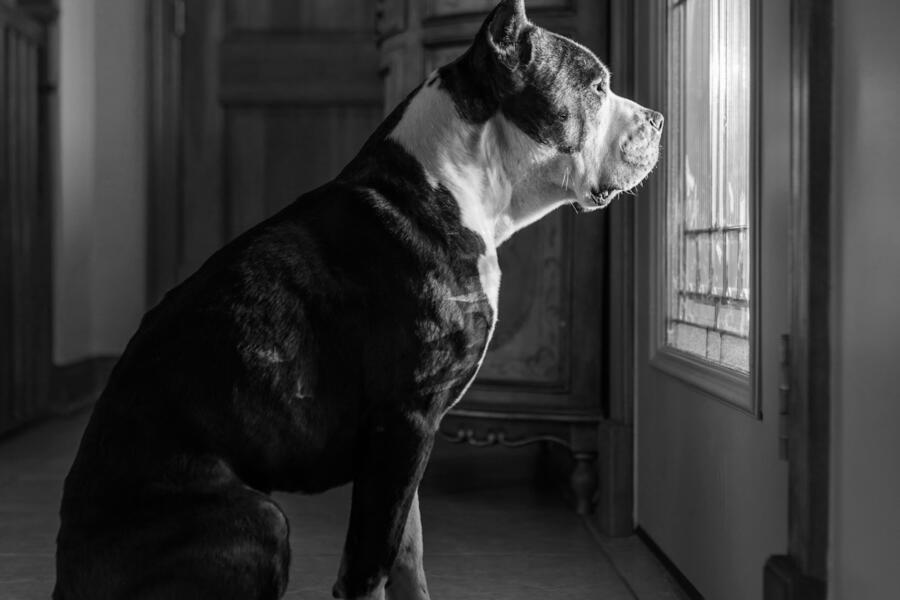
865 521
74 200
119 249
100 217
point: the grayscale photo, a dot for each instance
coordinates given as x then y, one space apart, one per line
449 299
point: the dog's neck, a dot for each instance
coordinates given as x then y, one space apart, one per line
489 168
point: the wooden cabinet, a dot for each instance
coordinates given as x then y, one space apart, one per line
544 377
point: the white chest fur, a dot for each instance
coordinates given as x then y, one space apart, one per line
463 159
460 157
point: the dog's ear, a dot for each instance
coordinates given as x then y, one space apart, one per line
505 28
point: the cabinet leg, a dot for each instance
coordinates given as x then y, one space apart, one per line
584 481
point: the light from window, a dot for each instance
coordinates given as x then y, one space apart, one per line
708 180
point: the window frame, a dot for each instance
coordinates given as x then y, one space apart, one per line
729 386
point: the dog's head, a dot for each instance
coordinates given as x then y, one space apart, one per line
581 141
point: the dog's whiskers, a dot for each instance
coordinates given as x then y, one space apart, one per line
565 178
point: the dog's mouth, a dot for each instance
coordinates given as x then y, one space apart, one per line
597 198
601 197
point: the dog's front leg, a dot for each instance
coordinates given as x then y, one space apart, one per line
390 460
407 578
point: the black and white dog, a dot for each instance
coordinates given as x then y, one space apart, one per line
324 345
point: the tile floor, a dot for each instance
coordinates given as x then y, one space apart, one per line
489 533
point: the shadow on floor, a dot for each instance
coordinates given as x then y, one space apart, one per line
490 533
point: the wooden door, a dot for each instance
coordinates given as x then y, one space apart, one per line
25 219
258 101
712 489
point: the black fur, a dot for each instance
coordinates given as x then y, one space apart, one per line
321 346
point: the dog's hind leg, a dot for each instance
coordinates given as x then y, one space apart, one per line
233 547
216 544
407 578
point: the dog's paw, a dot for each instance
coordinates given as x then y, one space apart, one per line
406 589
369 590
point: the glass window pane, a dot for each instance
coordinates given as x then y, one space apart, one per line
709 162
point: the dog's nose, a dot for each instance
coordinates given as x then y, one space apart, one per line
656 119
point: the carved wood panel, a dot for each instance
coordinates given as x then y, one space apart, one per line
390 17
530 345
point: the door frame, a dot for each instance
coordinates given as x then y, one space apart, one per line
801 573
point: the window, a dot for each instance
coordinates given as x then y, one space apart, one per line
709 157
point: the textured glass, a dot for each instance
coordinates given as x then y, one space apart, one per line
709 162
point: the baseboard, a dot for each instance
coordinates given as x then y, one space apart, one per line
687 587
78 384
615 464
74 386
783 580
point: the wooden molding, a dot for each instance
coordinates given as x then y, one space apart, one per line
684 583
803 573
619 318
810 402
615 465
299 69
783 580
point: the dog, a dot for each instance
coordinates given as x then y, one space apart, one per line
324 345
